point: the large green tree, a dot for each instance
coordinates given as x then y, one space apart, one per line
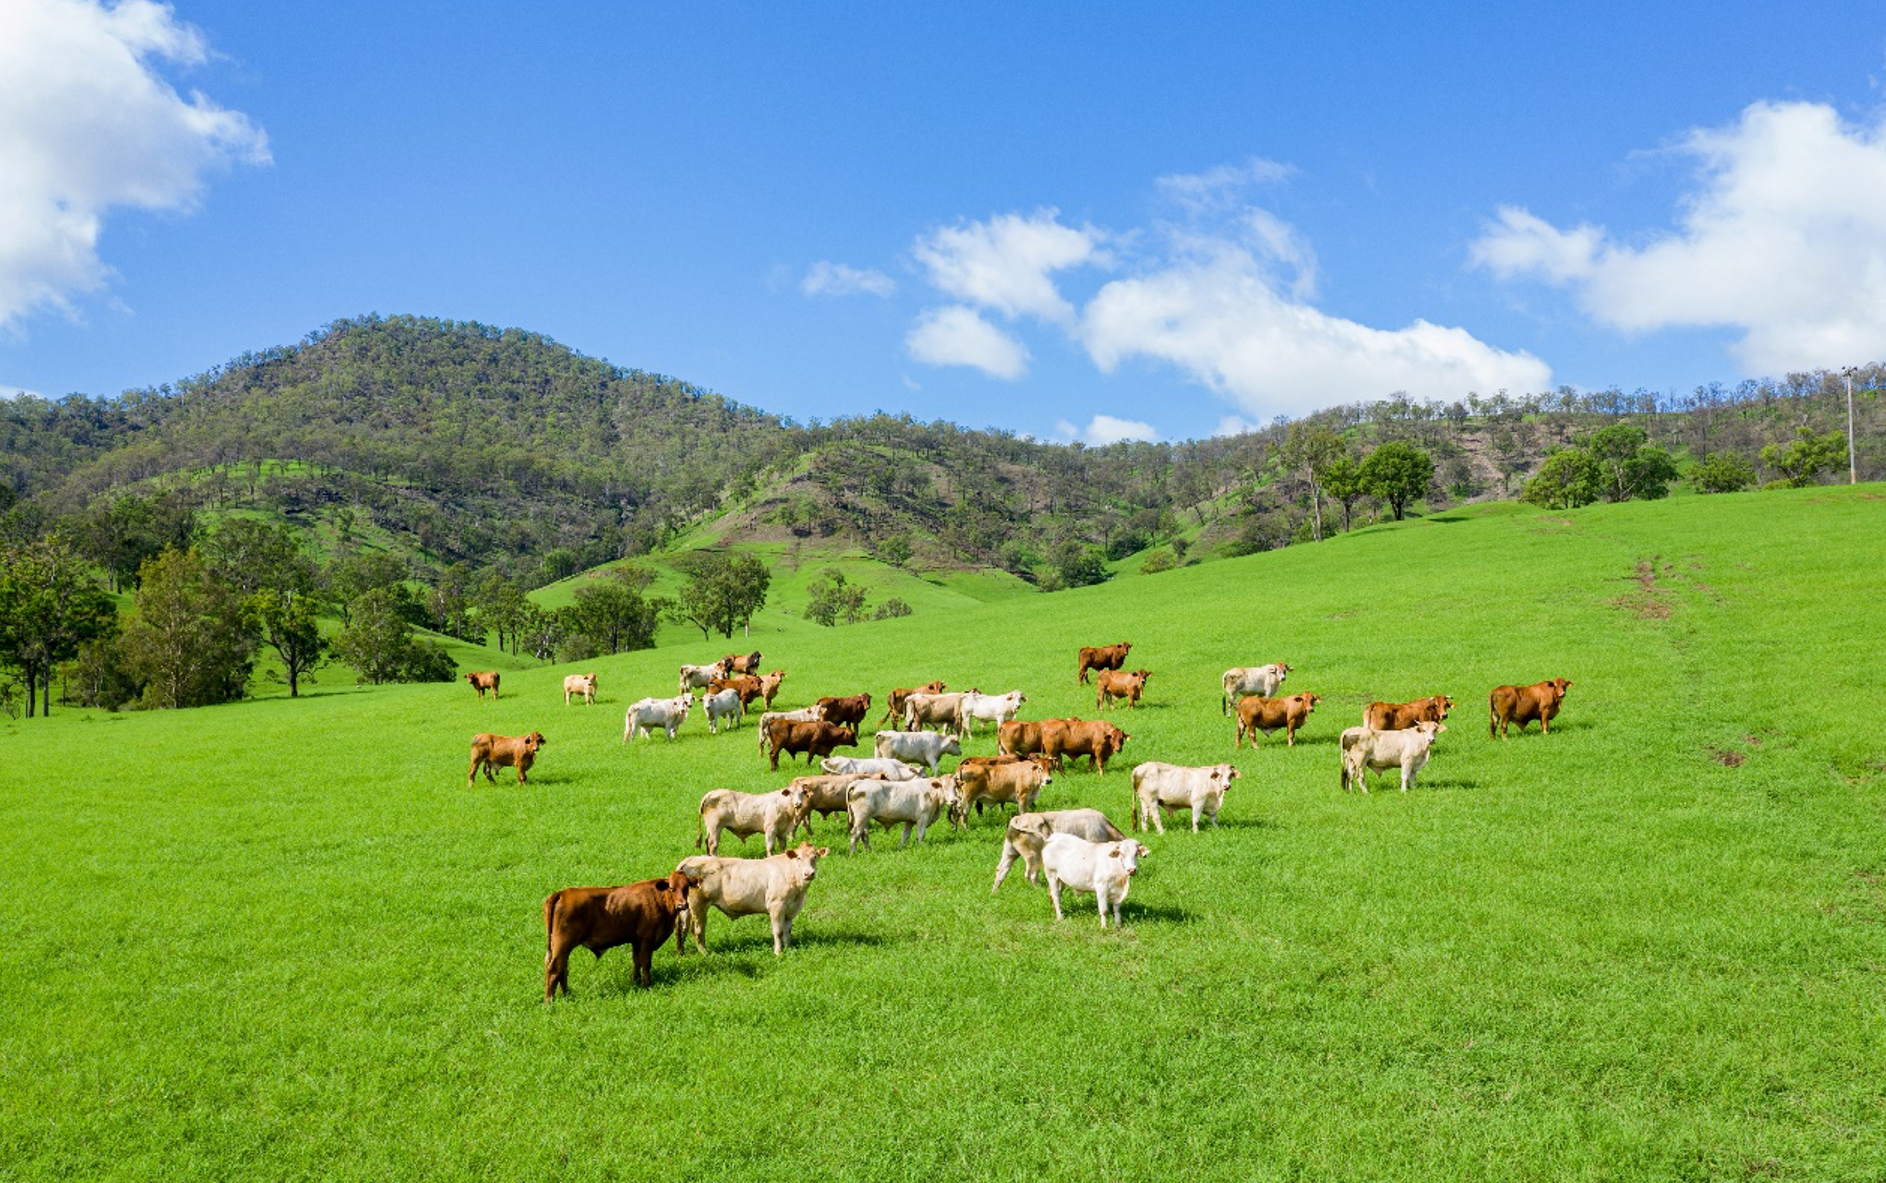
1628 467
1311 450
380 645
723 592
1801 461
191 639
613 617
1568 479
1399 473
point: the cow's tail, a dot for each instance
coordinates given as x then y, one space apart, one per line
550 919
1133 805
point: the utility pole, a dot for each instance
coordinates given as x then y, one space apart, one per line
1853 470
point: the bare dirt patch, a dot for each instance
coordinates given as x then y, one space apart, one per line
1727 757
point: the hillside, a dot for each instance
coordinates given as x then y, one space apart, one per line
285 938
455 443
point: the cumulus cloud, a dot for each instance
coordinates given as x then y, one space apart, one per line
958 336
1006 264
88 125
1221 317
1784 238
1225 296
1107 429
837 279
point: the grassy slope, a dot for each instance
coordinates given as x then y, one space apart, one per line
283 939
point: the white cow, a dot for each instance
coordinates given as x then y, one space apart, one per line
744 887
916 803
1104 868
1365 748
666 713
882 769
919 747
994 708
802 715
583 684
943 710
696 677
1158 787
1252 679
1030 831
723 705
744 814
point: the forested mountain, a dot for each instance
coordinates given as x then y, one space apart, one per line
503 450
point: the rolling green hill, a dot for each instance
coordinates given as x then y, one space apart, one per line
285 939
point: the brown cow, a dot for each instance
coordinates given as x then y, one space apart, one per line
1399 716
1103 657
640 915
1098 741
1020 737
497 751
484 680
769 686
734 663
1112 684
1016 779
896 701
1258 713
816 740
749 687
850 710
1523 704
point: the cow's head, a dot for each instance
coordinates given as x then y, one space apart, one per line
795 797
1559 686
1129 853
1309 701
950 747
1227 773
533 741
804 860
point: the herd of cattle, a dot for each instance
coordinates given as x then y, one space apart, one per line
901 784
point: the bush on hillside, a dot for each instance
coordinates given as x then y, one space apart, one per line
1160 560
891 608
1802 461
1568 479
381 647
1721 472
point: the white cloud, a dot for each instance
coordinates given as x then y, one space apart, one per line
1107 429
1220 317
86 126
1233 425
1223 187
837 279
958 336
1783 238
7 391
1005 264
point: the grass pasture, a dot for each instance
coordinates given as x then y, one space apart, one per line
282 939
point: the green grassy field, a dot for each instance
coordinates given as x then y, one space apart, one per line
284 940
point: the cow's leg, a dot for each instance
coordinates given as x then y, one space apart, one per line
782 930
1158 815
643 953
1001 868
556 971
905 840
1198 807
1054 893
1100 900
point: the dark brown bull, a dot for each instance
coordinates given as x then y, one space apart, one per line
815 739
1103 657
640 915
849 710
1258 713
1523 704
734 663
1399 716
490 751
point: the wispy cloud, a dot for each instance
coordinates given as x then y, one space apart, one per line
1223 187
1783 237
87 125
837 279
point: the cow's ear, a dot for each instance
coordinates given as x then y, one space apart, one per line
1114 853
794 853
823 851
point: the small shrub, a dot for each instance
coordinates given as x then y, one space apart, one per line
1160 560
891 608
1721 472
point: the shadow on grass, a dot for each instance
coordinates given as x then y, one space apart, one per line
1132 912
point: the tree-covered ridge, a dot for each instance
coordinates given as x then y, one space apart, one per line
460 443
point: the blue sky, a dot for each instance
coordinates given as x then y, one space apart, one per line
1063 220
